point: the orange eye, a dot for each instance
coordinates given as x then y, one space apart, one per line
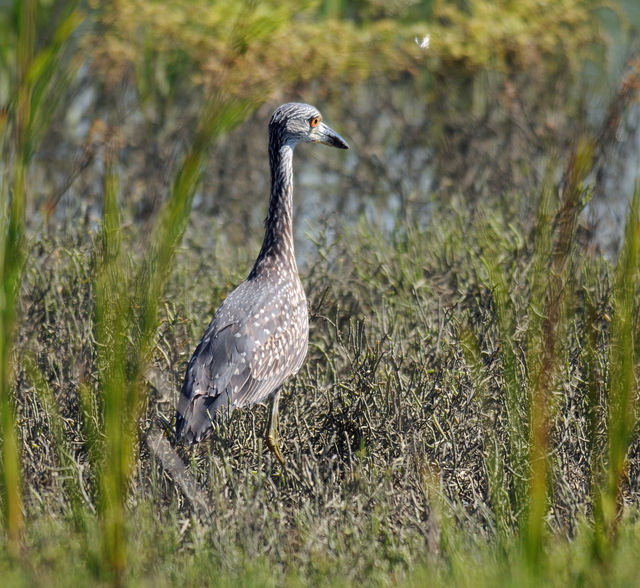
315 121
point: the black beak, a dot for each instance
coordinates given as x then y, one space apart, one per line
325 134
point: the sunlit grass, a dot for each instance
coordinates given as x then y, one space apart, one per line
373 424
127 303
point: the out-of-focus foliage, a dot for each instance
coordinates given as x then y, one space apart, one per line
54 23
246 44
489 70
507 35
242 45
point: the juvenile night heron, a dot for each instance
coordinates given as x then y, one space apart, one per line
258 337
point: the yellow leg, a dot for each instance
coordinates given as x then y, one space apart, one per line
272 430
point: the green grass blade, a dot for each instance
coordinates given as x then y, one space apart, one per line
12 258
623 359
545 332
515 407
72 483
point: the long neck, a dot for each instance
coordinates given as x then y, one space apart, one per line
278 235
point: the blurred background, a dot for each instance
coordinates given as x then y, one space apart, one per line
445 103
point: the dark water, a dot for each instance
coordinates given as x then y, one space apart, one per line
619 167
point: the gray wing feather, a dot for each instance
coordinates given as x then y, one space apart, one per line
240 362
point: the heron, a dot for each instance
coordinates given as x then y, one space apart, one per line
259 335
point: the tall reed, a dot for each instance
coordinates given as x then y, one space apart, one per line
36 87
527 392
11 258
552 280
623 356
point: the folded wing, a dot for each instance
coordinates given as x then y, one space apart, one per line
241 362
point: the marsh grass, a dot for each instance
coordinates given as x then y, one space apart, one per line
127 302
621 391
36 90
397 431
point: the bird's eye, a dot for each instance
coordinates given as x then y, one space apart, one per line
314 122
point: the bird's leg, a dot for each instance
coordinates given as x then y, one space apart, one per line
272 430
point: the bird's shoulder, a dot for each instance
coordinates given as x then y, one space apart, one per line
257 306
256 329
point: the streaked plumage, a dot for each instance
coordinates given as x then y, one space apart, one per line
258 337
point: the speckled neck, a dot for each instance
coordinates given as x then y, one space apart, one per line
278 235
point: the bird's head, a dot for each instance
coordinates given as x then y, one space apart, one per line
295 122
